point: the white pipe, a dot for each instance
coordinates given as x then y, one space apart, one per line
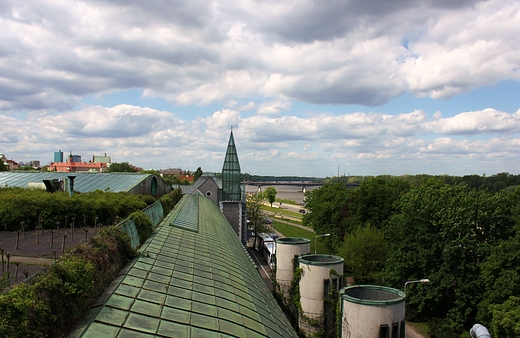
479 331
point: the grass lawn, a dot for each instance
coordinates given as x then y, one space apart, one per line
284 212
292 231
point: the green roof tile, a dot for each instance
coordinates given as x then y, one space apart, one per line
97 330
204 321
233 329
146 308
120 302
152 296
139 322
115 317
133 334
176 315
171 329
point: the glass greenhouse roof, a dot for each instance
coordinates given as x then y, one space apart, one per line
83 183
188 283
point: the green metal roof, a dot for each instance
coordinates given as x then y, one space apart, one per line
188 283
84 182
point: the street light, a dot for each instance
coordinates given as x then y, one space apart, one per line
325 235
424 280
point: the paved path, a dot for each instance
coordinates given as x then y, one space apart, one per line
411 332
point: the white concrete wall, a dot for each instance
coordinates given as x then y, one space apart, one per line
313 279
286 249
364 316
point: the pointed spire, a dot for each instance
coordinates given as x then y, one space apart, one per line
231 172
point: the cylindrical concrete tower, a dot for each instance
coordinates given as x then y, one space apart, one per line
287 251
319 274
372 311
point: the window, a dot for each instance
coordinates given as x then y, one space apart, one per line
384 331
403 329
395 330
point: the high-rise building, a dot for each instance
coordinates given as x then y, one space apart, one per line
58 156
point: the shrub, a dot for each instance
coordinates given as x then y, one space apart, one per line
143 225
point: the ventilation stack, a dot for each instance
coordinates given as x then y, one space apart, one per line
288 250
321 277
372 311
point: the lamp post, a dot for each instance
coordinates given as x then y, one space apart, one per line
424 280
324 235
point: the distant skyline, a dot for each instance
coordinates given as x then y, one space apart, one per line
374 87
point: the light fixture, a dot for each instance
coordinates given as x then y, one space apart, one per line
423 280
324 235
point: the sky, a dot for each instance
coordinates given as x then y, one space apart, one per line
309 88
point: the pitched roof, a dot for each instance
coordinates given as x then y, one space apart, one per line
193 278
84 182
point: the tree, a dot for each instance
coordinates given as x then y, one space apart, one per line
328 208
198 173
374 201
443 233
506 319
3 167
365 251
270 194
256 215
122 167
500 276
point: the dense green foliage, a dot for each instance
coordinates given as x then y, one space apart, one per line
143 224
506 318
169 200
122 167
53 303
329 211
365 253
21 205
3 167
198 173
462 235
256 215
270 194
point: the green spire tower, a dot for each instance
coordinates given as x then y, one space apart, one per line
231 173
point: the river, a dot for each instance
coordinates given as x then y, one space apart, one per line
289 192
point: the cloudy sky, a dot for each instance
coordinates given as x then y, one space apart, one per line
311 88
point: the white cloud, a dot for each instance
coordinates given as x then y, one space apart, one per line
55 52
484 121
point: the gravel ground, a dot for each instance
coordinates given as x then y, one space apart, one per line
35 252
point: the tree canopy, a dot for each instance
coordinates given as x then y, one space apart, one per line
198 173
122 167
270 194
256 215
460 235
